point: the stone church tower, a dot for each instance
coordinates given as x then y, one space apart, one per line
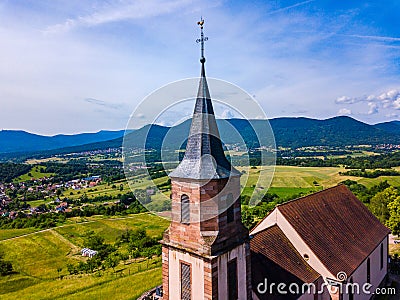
206 252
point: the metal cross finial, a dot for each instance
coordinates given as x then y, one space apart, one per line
201 40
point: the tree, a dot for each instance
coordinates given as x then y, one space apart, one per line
93 241
5 267
112 261
394 220
379 203
71 269
124 257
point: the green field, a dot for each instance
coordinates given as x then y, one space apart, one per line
34 173
288 180
10 233
36 258
111 228
99 190
108 286
108 190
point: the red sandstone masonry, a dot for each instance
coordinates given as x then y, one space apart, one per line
165 272
194 237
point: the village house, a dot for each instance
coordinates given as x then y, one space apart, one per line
88 252
62 207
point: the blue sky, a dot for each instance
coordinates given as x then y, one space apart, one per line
71 66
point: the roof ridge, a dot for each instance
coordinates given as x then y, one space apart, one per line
266 228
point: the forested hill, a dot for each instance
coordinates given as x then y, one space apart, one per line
393 126
337 131
289 132
22 141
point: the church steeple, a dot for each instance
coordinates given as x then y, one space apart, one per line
206 253
204 157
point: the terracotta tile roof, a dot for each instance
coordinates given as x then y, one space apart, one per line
273 257
338 227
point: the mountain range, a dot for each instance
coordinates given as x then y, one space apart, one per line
288 132
22 141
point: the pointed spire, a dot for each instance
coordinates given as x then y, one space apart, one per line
204 157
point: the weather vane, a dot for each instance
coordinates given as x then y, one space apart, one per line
201 40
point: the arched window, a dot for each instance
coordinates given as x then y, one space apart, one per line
185 209
368 270
230 212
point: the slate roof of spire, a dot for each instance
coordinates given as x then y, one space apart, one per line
204 157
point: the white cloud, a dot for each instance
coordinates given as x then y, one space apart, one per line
120 11
373 108
392 115
283 9
375 37
396 103
387 100
104 103
227 114
390 95
345 100
344 111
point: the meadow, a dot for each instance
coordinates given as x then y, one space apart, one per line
286 181
36 172
37 258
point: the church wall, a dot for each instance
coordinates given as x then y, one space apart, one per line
377 274
165 272
276 217
323 293
197 274
240 253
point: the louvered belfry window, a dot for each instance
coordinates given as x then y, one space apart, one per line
185 209
186 284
